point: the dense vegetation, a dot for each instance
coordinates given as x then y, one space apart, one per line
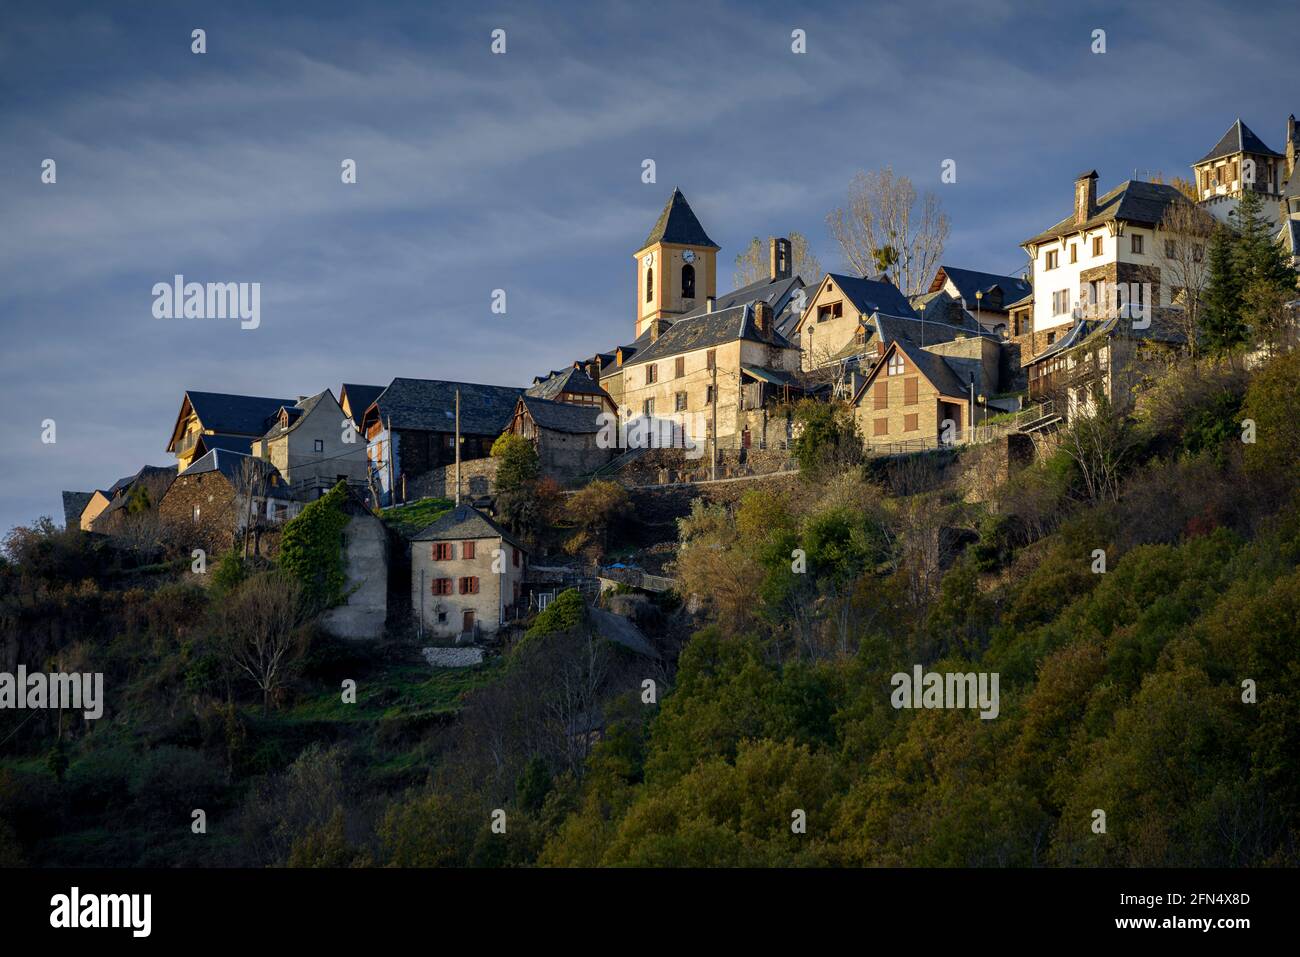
1163 690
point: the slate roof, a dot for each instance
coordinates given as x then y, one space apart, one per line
297 413
563 416
705 331
74 503
933 367
922 332
678 224
430 405
154 479
227 443
1132 201
463 522
566 380
231 464
1239 139
234 414
970 281
359 397
1162 329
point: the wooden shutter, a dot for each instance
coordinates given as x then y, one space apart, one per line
882 396
911 390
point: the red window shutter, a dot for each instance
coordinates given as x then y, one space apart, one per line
473 586
467 550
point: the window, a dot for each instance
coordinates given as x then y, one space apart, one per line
911 422
197 512
514 556
469 586
1060 302
1169 249
1074 252
881 395
442 551
831 310
1051 337
711 359
880 427
442 586
1096 245
1053 257
649 284
708 395
651 374
679 367
467 550
1136 242
688 281
319 445
895 364
911 390
648 407
679 402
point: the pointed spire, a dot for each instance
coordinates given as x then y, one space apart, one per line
678 224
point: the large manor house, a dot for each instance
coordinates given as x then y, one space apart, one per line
720 373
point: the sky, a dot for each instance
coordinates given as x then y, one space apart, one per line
519 171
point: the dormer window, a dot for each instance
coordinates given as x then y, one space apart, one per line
895 364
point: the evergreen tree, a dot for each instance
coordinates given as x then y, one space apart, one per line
1263 275
1221 325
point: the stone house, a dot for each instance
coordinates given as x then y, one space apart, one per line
568 437
467 575
208 421
908 396
986 299
223 493
410 431
74 503
832 320
138 493
314 445
700 369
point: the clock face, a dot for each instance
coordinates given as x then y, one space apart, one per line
649 259
688 256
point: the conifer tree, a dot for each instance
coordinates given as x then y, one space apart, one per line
1221 324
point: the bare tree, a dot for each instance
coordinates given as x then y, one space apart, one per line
260 630
1100 444
888 229
752 262
249 487
1186 230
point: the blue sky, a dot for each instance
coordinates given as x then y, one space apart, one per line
520 172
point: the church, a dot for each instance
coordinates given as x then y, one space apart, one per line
701 362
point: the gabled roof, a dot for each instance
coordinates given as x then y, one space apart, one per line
430 405
231 465
463 522
1132 201
74 503
970 281
154 479
932 367
1162 329
230 414
563 416
1239 139
866 295
705 331
359 398
571 379
678 224
295 414
922 332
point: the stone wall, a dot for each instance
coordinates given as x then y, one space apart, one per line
477 478
669 466
365 548
214 531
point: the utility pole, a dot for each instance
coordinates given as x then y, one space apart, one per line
713 472
458 446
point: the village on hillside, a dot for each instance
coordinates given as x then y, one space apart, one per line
702 389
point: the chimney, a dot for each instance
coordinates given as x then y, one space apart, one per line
657 328
1290 145
1085 197
763 320
779 258
710 303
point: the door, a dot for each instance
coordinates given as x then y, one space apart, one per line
469 622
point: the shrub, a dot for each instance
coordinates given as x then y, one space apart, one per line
312 550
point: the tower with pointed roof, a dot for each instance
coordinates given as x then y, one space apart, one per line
676 266
1239 161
